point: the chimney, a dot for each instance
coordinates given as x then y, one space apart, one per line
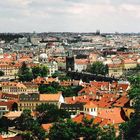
113 122
111 99
84 96
100 97
97 97
73 97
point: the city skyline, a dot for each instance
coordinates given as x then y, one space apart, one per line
69 15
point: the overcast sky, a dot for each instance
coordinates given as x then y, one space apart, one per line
69 15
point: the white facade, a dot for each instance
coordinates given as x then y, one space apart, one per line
91 111
80 67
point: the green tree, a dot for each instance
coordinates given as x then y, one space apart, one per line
44 71
31 127
40 71
25 121
69 130
50 113
1 73
36 71
131 129
70 91
25 74
63 130
47 89
107 133
4 124
99 68
46 107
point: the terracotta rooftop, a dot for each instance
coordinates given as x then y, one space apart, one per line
122 101
80 99
79 118
50 97
47 126
90 104
8 103
13 114
113 114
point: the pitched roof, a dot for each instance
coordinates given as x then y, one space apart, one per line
88 90
100 85
80 99
105 100
122 101
14 138
8 103
113 114
13 114
50 97
90 104
1 138
79 118
8 96
101 121
47 126
13 84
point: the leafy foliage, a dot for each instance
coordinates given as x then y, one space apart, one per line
69 130
50 113
4 124
98 68
1 73
131 129
25 74
26 123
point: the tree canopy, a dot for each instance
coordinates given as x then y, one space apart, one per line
68 130
130 130
25 73
98 68
41 71
1 73
50 113
26 123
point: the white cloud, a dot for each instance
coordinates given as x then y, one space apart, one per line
70 15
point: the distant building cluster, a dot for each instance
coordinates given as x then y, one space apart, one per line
105 101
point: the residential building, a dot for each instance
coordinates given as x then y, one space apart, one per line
32 100
19 87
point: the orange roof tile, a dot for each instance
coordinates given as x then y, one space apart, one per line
79 118
13 114
78 99
88 90
122 101
90 104
114 114
47 126
50 97
1 138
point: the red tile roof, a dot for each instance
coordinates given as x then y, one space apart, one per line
88 90
80 99
122 101
50 97
47 126
1 138
90 104
8 103
101 121
113 114
79 118
100 85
